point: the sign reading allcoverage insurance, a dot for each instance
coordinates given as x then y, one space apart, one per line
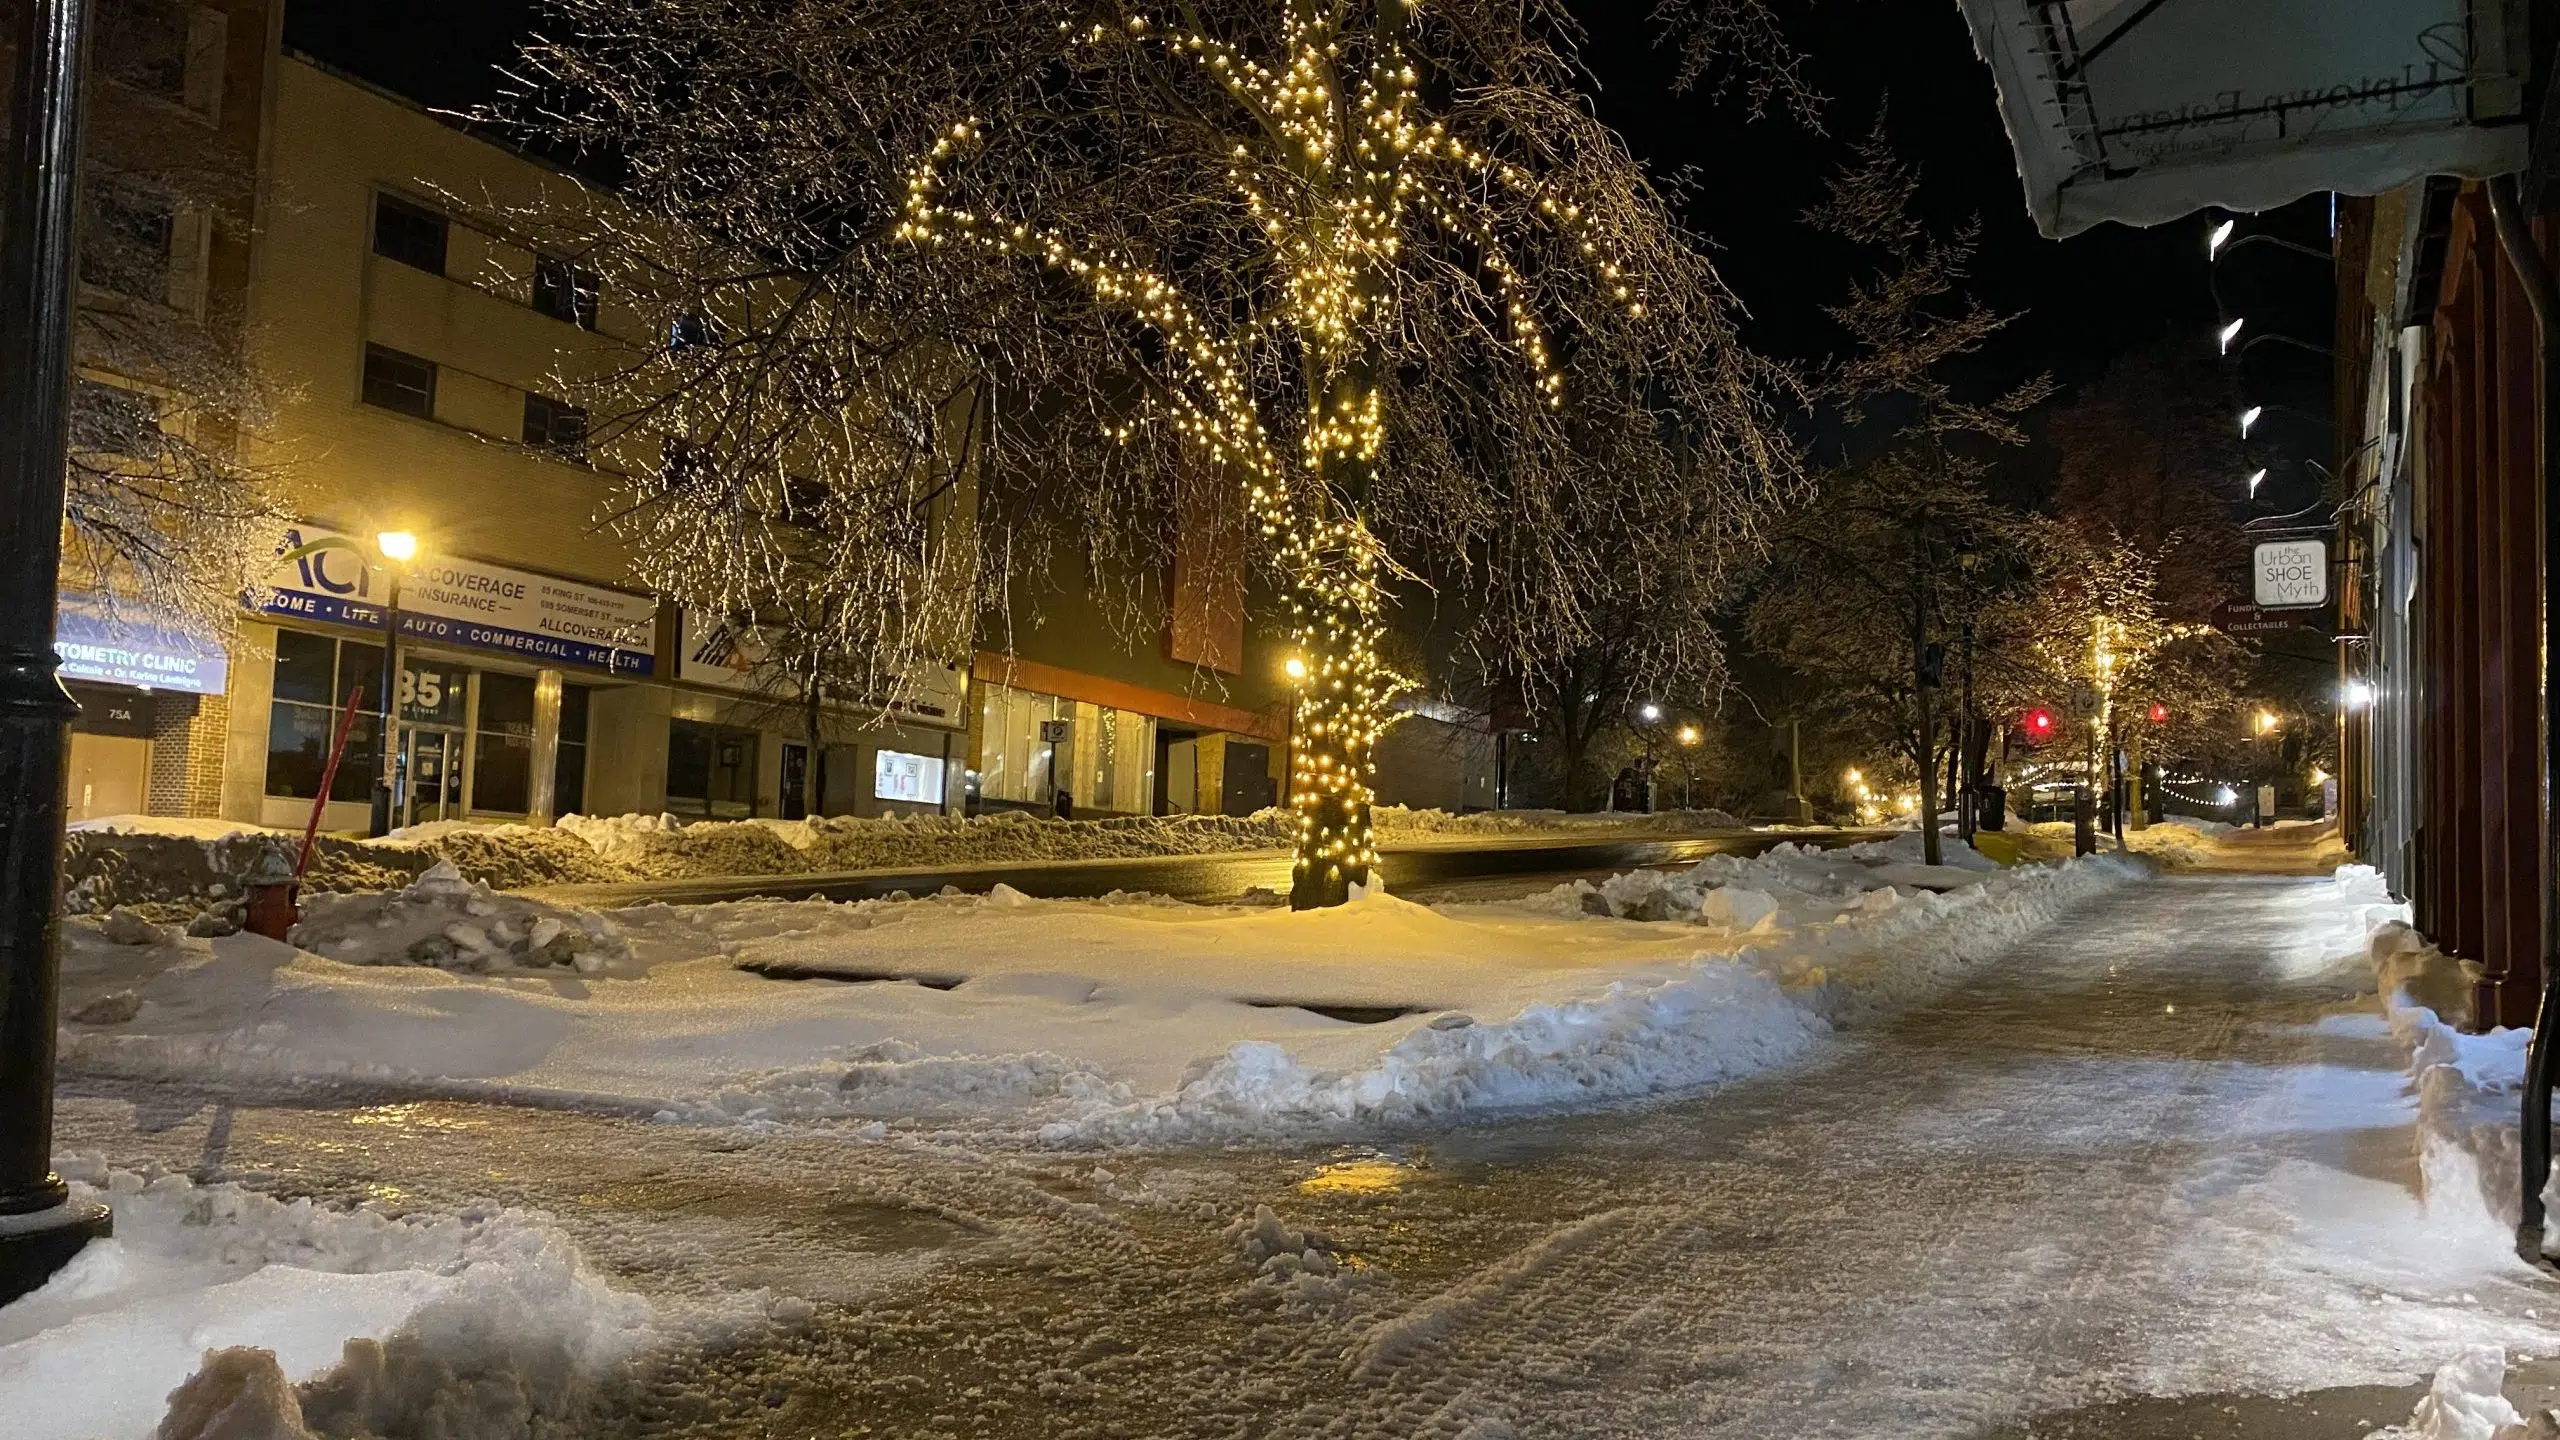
2291 574
2146 110
560 622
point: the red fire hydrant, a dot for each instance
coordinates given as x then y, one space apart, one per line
272 889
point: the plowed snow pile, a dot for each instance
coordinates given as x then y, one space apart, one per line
484 1323
1130 1019
175 871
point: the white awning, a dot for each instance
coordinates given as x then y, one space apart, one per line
2146 110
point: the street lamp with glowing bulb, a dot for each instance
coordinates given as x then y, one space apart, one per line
1294 668
397 545
2249 419
2230 333
2220 236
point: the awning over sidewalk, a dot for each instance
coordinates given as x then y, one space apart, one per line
2146 110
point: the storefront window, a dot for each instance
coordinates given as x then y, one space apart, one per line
313 675
711 770
1119 762
1105 758
502 758
569 772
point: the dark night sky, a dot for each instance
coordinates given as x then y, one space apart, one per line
2082 301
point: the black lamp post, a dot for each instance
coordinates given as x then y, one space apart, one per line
40 1230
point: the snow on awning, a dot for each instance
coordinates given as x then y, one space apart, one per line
2146 110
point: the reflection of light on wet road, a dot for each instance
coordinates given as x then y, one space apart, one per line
419 1118
1375 1175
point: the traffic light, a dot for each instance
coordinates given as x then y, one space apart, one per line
2159 713
2039 725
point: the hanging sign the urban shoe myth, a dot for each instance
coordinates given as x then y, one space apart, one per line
2290 574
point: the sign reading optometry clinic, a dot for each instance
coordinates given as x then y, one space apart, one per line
324 575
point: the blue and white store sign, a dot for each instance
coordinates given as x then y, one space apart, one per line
323 575
124 650
537 617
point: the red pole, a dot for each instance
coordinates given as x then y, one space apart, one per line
328 775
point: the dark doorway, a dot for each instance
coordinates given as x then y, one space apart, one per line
1249 786
795 782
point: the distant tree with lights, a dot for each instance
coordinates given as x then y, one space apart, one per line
1342 263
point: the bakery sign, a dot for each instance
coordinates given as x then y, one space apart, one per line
478 606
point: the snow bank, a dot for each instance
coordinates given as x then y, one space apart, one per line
444 920
188 871
2466 1402
1120 1020
170 875
2470 1088
482 1323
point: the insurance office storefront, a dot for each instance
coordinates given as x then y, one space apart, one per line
499 670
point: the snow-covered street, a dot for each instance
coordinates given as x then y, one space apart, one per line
2150 1170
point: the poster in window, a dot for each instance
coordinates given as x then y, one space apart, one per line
914 779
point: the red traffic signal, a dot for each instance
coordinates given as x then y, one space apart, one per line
2159 713
2038 725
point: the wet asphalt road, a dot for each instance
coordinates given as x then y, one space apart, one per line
1427 873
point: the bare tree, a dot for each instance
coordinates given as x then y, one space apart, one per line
1341 262
1911 524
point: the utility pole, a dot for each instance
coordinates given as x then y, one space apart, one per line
1795 771
40 1229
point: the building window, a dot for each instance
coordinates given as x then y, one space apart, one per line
410 234
397 381
569 772
711 770
111 420
502 745
565 292
313 675
689 331
125 246
556 426
144 45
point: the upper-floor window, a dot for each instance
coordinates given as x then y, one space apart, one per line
399 381
565 292
555 425
127 245
112 420
166 48
689 331
410 234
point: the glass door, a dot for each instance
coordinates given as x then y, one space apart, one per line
432 762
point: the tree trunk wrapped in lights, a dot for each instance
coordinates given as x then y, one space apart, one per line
1348 257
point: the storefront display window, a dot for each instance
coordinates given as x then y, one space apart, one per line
313 675
711 770
1105 758
502 745
907 778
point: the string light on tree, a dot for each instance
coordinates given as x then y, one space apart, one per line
1334 168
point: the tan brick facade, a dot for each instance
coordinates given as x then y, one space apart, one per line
187 737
